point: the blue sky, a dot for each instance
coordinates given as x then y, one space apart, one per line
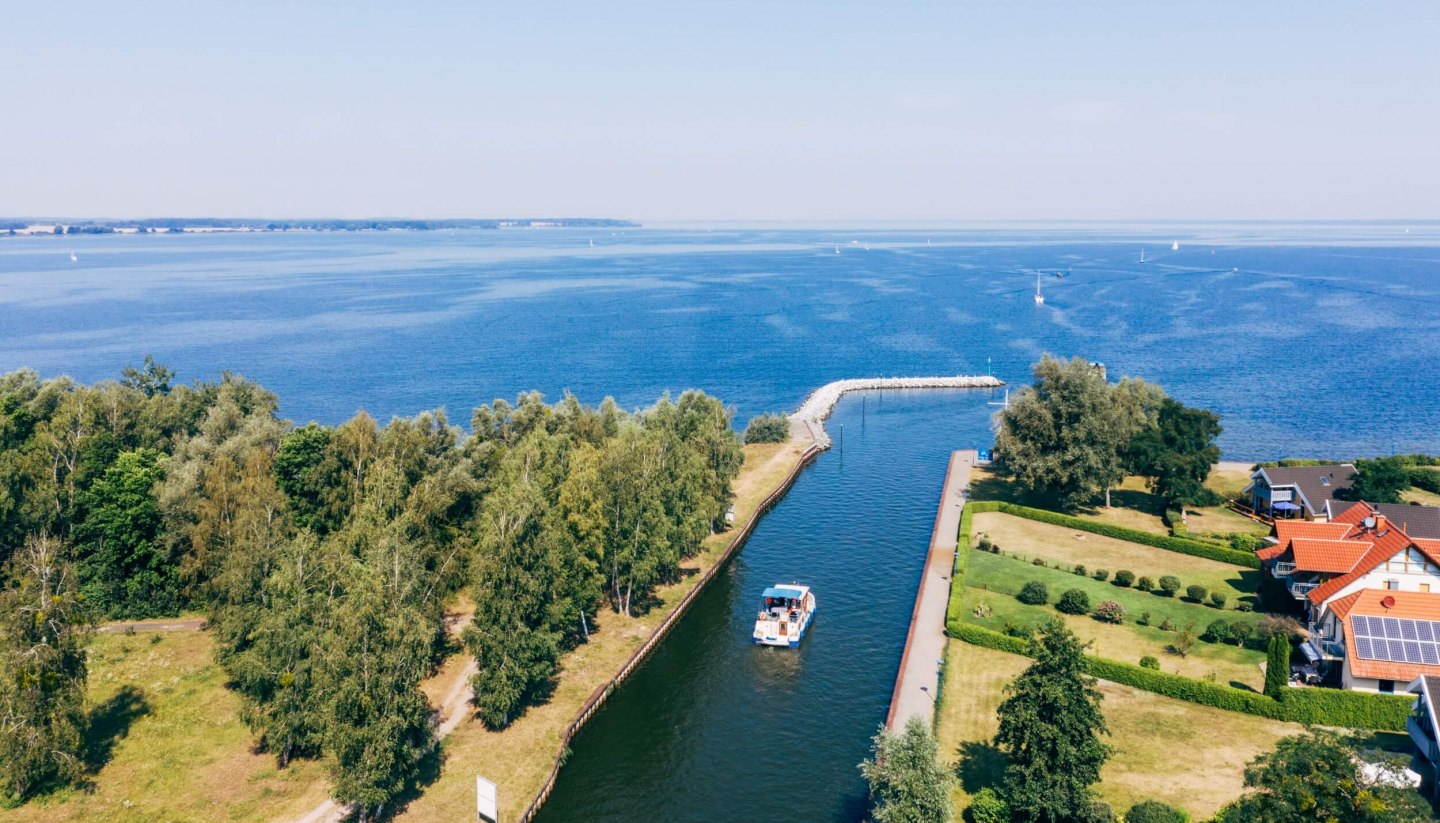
802 111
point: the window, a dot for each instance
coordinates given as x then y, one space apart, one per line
1387 686
1392 585
1411 561
1425 587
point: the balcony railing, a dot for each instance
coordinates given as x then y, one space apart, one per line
1283 569
1420 735
1299 589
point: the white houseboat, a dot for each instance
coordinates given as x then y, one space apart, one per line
785 614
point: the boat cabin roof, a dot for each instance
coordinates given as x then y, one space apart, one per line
791 592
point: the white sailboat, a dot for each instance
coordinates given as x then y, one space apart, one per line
1039 298
1142 255
73 258
592 242
837 249
1175 246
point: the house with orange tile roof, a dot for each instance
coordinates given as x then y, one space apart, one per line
1371 594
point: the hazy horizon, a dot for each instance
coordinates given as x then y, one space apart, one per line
798 113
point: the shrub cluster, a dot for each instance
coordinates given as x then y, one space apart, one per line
1124 577
1101 574
1196 593
768 428
1169 584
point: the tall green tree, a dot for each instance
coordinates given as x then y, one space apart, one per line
1065 435
44 625
1277 665
1050 728
1378 481
908 783
1177 452
124 568
1317 776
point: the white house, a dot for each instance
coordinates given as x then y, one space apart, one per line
1372 596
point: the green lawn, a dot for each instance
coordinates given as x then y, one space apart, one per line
994 580
1058 544
1146 730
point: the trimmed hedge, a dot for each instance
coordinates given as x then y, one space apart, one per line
1181 545
1329 707
1427 479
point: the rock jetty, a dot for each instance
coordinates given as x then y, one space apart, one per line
810 417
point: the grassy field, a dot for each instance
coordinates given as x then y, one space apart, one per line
1057 544
519 758
1146 730
1132 504
168 743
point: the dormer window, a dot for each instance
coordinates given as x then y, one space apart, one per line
1324 481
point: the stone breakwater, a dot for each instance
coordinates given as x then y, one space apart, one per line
810 417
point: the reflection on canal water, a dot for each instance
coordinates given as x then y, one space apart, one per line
714 728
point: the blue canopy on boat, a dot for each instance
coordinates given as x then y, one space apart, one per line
775 591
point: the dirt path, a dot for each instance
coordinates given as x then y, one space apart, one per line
188 624
453 710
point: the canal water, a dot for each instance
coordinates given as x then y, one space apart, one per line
713 728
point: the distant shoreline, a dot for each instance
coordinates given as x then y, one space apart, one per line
51 226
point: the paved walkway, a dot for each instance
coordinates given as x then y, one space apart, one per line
917 685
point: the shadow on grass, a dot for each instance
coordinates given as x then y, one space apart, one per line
1244 687
110 722
981 765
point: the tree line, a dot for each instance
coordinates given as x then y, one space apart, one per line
324 556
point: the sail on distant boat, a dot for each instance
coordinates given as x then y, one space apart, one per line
1039 298
1175 246
592 242
837 249
73 258
1142 255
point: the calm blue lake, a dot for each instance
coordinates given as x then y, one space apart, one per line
1309 339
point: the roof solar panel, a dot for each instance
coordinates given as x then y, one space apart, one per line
1424 628
1361 624
1408 630
1412 651
1429 654
1362 647
1397 651
1392 628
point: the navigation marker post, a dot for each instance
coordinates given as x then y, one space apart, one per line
487 803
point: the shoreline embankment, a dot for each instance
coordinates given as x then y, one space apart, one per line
917 684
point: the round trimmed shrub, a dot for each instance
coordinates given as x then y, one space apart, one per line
1169 584
1110 612
768 428
1144 584
1124 577
986 806
983 544
1039 561
1244 606
1034 593
1073 601
1217 632
1217 600
1102 575
1196 593
1148 662
1153 811
1079 569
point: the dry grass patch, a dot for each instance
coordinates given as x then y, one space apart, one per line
1184 754
519 758
170 744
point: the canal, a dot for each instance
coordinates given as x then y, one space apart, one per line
714 728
